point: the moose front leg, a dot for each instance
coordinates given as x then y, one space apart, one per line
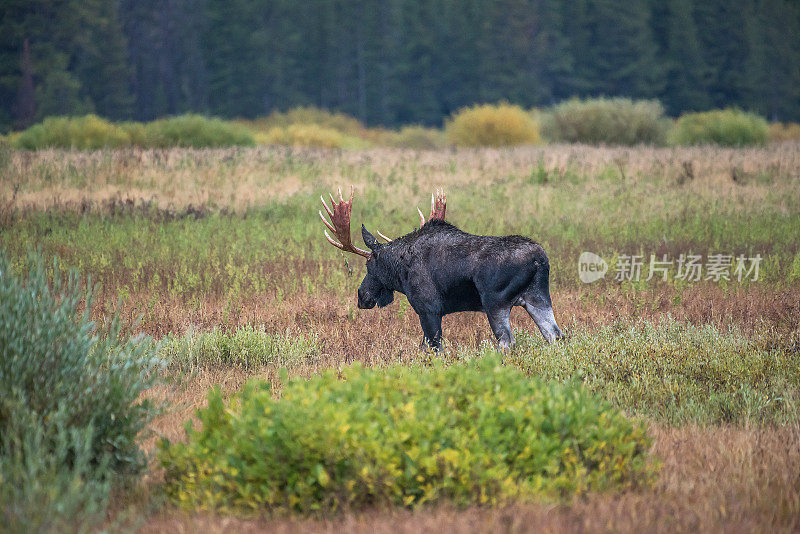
432 329
500 321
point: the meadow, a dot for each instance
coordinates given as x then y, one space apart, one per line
218 254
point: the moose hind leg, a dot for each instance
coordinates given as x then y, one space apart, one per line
500 322
542 315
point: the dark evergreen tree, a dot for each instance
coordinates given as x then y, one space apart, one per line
725 48
682 58
25 106
549 58
394 61
621 58
99 59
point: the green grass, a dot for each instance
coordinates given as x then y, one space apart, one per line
674 372
247 347
228 256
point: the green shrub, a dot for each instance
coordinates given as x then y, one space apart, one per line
309 115
674 372
92 132
87 132
136 132
196 131
547 124
303 135
476 432
247 346
70 405
492 125
727 127
52 483
611 121
417 137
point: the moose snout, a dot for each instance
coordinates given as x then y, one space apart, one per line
364 301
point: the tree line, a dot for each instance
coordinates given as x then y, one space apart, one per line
390 62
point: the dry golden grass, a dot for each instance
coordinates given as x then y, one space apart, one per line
240 178
346 333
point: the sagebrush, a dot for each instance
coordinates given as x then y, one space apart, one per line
70 398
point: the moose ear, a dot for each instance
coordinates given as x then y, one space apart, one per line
369 239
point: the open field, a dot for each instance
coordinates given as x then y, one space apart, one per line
221 255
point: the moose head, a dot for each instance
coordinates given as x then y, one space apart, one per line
378 285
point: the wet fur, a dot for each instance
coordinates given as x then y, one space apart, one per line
443 270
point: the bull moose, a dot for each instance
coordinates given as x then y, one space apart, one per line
442 270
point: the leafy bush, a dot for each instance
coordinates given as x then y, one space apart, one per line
136 132
492 125
611 121
195 131
779 131
92 132
246 346
476 432
309 116
417 137
88 132
303 135
727 127
547 124
70 405
675 372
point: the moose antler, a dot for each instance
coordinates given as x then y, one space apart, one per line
340 217
438 207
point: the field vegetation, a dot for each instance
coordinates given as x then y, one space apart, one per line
610 121
219 252
475 432
70 409
726 127
595 121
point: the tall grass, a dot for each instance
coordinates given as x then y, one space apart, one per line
676 372
247 347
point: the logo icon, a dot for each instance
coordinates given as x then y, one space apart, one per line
591 267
